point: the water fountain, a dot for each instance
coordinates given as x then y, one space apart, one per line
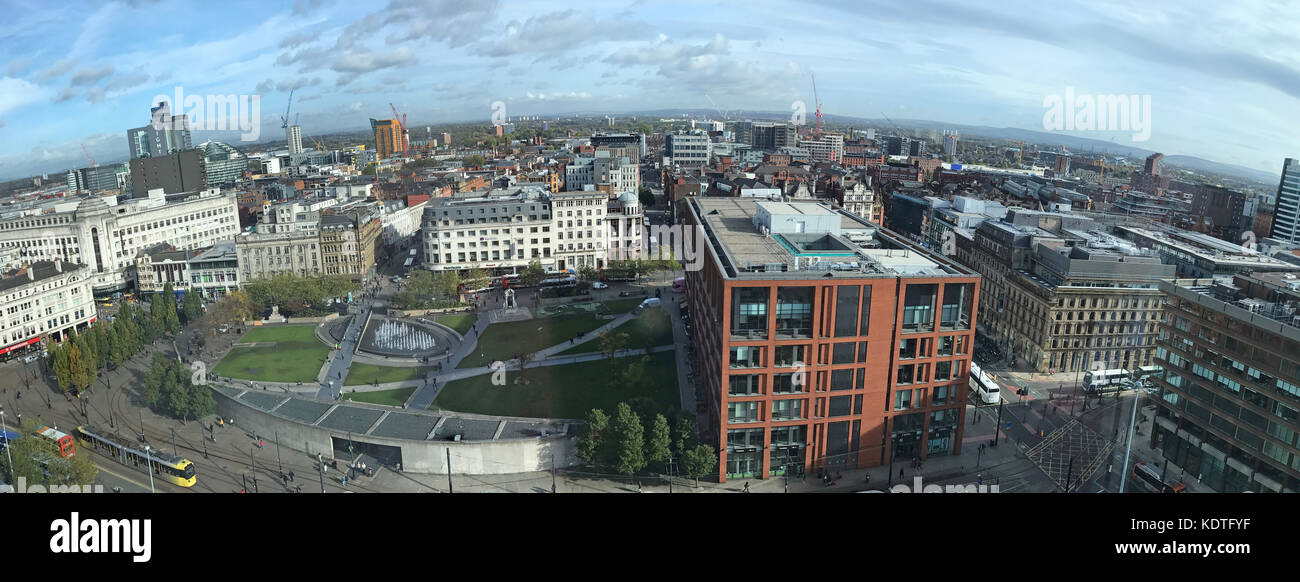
398 336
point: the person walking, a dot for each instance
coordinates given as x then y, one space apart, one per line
746 486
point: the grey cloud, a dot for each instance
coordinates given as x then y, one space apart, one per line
17 66
556 33
90 76
295 40
126 81
304 7
58 69
366 62
667 50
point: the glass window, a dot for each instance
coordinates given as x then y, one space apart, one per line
841 379
746 356
902 400
847 298
864 326
787 410
790 355
794 312
749 312
941 394
907 348
745 384
738 412
942 371
904 375
918 307
788 383
841 405
956 306
843 353
945 346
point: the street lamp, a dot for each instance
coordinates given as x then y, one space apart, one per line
7 452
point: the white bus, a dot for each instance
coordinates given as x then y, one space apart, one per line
1115 379
984 386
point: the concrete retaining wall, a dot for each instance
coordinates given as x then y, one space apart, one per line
467 457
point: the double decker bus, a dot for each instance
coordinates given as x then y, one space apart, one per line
1098 381
988 391
66 444
1148 477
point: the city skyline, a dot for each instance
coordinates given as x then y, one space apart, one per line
439 62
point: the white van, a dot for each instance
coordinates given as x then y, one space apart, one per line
651 302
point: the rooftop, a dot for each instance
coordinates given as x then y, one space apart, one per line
746 250
36 272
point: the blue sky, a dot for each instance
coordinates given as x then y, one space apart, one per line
1220 75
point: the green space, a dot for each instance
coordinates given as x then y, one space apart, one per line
567 391
501 341
297 355
462 323
622 305
395 397
365 374
650 329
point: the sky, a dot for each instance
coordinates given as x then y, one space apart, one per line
1220 75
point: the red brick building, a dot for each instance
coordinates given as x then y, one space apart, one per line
814 352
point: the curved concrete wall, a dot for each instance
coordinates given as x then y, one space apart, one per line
518 455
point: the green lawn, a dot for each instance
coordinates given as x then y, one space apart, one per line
650 329
386 397
502 340
622 305
297 355
567 391
365 374
461 322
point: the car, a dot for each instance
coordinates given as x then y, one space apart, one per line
224 329
599 285
624 293
30 358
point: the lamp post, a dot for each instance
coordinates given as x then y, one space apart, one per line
7 452
997 430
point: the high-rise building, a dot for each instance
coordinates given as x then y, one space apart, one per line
1286 214
827 148
446 139
177 172
293 134
97 178
817 353
687 149
222 163
388 137
165 134
1228 410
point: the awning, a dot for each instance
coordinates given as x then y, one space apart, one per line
20 345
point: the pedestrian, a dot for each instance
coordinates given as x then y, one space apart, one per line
638 487
746 486
979 479
900 472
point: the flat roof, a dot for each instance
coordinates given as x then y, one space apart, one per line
748 253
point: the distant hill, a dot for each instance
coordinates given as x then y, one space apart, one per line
1074 143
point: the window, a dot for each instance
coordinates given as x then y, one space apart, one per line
941 395
843 353
746 357
787 410
847 298
902 400
841 379
745 384
739 412
841 406
790 355
789 383
942 371
918 308
749 312
945 346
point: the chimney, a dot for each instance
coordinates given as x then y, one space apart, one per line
31 272
58 266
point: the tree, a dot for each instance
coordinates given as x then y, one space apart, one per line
85 365
533 274
477 161
587 274
37 461
659 446
62 366
591 444
634 374
192 308
699 461
629 439
369 170
683 433
610 343
646 197
443 285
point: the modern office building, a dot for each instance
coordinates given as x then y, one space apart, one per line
164 135
108 238
1286 216
687 149
44 299
829 147
610 174
1196 255
98 178
1228 411
222 163
293 135
174 173
817 353
388 137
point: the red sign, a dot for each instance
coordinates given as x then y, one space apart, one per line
19 345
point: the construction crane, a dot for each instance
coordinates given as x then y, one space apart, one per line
284 121
93 163
818 131
401 121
